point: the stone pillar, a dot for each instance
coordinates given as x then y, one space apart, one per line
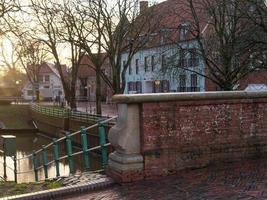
126 163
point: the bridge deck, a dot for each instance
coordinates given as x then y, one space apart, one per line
240 180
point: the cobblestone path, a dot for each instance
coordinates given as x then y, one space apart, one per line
246 180
82 178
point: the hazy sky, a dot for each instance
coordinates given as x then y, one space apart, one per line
8 48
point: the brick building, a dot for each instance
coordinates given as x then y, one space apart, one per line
86 82
254 81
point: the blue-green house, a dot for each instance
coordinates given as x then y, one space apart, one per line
166 68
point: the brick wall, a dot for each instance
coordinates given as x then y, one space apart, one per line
191 134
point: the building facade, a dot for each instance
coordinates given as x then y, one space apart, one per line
86 81
169 61
161 69
50 86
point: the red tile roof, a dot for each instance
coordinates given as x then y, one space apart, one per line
166 19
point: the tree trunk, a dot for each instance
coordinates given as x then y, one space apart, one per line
72 94
37 95
98 92
73 105
72 101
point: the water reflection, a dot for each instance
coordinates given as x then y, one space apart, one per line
26 143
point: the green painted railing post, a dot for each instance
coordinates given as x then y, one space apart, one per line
15 169
56 156
35 165
44 160
85 149
69 153
102 139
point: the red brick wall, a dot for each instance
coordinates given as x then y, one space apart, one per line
179 135
257 77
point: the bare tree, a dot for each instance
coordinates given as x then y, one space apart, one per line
55 29
118 29
87 22
9 59
124 31
106 32
32 54
222 34
7 10
256 13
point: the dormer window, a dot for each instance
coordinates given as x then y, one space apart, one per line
165 36
184 28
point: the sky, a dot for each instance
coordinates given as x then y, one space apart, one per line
7 45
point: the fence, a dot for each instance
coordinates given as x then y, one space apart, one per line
67 113
69 154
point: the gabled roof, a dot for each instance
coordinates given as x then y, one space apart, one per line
87 66
54 70
166 19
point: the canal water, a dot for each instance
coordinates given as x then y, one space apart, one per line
26 143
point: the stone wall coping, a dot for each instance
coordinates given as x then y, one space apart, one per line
188 96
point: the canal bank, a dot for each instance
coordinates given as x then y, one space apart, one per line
28 141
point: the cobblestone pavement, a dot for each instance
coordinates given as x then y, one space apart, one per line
246 180
82 178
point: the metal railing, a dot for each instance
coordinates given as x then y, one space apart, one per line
67 113
69 154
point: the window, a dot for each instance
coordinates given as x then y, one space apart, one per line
182 83
139 87
130 67
131 86
182 61
165 86
29 92
47 78
46 87
165 35
137 66
193 80
146 64
193 60
184 28
163 62
153 63
40 78
83 82
157 86
194 87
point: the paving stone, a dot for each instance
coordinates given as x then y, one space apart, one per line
81 178
245 180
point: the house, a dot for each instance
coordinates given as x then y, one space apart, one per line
49 83
168 62
86 81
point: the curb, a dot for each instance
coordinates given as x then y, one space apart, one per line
64 191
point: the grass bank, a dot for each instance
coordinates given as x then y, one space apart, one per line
15 116
11 188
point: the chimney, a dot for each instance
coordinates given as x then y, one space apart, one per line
143 6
